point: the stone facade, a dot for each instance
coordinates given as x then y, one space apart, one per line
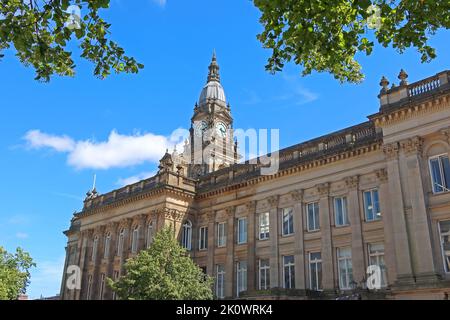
365 190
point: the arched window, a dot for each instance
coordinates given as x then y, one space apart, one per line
135 240
149 234
94 248
186 237
120 242
107 245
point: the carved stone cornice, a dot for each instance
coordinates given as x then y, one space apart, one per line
382 175
412 146
323 189
273 201
297 195
391 150
251 206
352 182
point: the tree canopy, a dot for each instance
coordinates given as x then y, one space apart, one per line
40 32
326 35
163 272
14 273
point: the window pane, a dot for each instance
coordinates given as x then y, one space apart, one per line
446 171
368 206
376 205
436 175
444 227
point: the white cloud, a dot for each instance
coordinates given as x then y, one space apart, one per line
122 182
118 151
161 3
46 278
21 235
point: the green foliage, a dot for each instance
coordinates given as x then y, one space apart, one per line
14 273
325 35
163 272
39 31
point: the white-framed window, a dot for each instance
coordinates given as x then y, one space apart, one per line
120 243
135 240
287 221
107 245
115 278
372 205
440 173
94 248
264 274
264 226
241 277
444 232
149 234
344 257
315 271
340 211
313 218
203 238
288 272
186 236
89 288
376 258
220 281
102 286
221 234
242 230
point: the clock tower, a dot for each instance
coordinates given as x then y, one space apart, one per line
211 136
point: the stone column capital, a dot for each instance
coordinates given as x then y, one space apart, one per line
323 189
273 201
251 206
297 195
391 150
382 175
230 211
211 215
352 182
446 132
412 146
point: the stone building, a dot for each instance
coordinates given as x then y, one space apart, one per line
375 194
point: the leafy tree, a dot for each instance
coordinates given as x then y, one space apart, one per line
325 35
40 31
14 273
163 272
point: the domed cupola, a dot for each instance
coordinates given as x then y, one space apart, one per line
213 90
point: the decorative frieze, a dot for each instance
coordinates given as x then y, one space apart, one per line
323 189
297 195
382 175
352 182
391 150
251 206
412 146
230 211
273 201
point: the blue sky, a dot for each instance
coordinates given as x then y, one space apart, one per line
54 137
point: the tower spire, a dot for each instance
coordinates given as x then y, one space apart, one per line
214 69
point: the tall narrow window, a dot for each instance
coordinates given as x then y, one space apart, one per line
149 234
220 281
288 272
315 271
444 230
94 248
120 243
135 240
186 237
264 274
313 216
241 279
376 258
102 286
115 278
344 256
221 236
288 221
203 238
372 205
264 226
242 231
340 211
107 245
440 173
89 288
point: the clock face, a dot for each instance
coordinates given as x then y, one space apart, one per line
221 129
200 128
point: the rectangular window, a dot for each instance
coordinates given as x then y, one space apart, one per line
264 226
340 211
115 278
315 271
345 268
221 236
440 173
107 245
102 286
220 281
376 258
135 240
149 234
94 249
241 279
242 231
264 274
203 238
444 230
288 221
288 272
313 216
120 243
372 205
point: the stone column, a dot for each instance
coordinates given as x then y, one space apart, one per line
327 244
251 243
141 220
84 259
274 249
211 242
99 232
230 265
126 225
423 262
112 229
354 214
299 252
396 216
